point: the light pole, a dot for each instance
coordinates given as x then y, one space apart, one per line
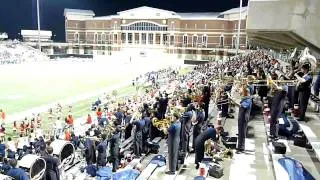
239 26
38 16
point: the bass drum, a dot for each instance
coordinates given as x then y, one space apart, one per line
64 150
34 165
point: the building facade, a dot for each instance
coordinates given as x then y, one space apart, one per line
152 28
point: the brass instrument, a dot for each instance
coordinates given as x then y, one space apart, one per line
109 130
162 124
212 150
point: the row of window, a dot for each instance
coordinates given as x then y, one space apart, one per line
196 40
144 26
202 41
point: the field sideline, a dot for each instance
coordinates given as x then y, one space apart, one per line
33 88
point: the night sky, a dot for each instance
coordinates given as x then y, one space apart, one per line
22 14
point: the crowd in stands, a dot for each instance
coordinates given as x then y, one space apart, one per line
14 52
178 97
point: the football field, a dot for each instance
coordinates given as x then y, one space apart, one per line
27 86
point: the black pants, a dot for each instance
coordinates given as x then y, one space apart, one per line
242 128
206 110
196 132
303 104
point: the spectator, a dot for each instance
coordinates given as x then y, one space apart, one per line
17 173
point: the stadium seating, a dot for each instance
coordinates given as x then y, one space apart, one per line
14 52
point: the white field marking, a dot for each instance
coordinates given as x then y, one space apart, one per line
12 97
135 68
241 166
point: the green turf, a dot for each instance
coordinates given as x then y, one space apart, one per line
79 109
28 86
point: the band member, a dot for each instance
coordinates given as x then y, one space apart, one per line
206 95
244 109
128 126
102 151
114 149
262 89
278 103
146 133
137 140
198 124
209 133
90 154
52 165
304 89
186 129
173 143
316 86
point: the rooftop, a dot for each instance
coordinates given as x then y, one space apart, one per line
78 12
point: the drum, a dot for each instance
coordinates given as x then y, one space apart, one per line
64 150
34 165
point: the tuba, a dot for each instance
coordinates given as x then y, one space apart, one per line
162 124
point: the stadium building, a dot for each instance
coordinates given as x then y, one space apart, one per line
198 36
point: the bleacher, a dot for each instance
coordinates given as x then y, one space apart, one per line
13 52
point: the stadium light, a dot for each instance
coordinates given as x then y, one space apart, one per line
38 17
239 26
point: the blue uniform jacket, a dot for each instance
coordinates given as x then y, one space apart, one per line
316 87
140 124
172 128
18 173
2 150
246 102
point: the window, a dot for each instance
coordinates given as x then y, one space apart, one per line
99 39
194 40
150 38
172 25
186 26
185 40
123 38
234 41
221 41
195 26
144 38
95 38
165 39
204 40
103 38
235 25
144 26
76 37
130 38
205 26
115 38
172 40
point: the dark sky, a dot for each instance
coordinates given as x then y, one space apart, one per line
21 14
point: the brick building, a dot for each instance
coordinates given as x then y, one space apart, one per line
146 27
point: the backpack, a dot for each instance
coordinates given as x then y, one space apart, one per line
104 173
